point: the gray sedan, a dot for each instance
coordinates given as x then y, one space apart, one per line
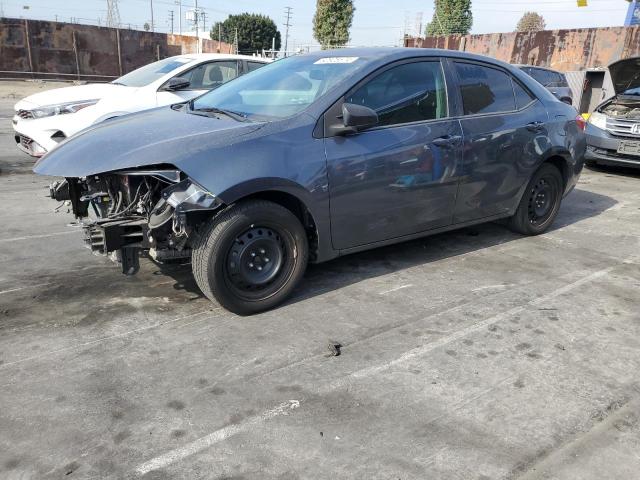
317 156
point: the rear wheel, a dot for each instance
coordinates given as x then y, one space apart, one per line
250 257
540 203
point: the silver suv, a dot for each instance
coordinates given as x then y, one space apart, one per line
553 81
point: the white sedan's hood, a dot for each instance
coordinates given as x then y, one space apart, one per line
92 91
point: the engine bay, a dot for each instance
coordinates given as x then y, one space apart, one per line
129 213
623 109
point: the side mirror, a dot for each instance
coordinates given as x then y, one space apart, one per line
356 117
177 83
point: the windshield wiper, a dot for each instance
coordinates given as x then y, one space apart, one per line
240 117
118 83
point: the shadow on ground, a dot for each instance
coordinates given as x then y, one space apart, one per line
343 271
616 171
97 291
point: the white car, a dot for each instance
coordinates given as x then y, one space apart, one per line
45 119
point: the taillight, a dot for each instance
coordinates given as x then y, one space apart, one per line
581 122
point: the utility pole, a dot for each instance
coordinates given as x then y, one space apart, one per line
236 41
204 21
171 20
195 17
179 3
152 26
287 24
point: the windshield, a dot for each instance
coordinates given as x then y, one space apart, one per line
152 72
280 89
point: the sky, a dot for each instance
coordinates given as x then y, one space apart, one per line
375 22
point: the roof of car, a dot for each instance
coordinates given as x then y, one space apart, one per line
522 65
398 53
221 56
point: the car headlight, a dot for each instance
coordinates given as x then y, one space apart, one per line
62 108
598 120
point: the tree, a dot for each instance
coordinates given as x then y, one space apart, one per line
450 17
146 27
531 22
255 32
332 22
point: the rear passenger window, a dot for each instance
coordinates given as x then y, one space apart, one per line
539 76
484 89
411 92
523 97
251 66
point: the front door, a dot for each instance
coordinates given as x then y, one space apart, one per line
400 177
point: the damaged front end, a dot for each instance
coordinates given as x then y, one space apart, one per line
129 213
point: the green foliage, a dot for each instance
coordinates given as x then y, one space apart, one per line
531 22
450 17
332 22
255 32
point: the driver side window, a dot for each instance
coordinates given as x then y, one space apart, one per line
211 75
411 92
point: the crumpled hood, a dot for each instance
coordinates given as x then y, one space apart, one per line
625 74
92 91
152 137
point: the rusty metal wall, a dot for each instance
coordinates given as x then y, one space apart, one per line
563 50
42 49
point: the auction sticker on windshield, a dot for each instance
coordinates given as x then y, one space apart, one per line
335 60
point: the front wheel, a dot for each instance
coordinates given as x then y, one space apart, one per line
540 203
250 257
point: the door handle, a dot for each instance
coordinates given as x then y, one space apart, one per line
535 126
447 141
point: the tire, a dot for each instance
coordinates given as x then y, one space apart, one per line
540 202
250 257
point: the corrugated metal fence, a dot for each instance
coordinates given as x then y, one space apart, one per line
42 49
563 50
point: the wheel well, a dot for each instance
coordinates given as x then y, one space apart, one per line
298 208
561 164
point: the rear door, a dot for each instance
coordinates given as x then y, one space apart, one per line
504 130
400 177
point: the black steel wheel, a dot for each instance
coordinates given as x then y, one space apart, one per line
542 197
257 259
251 257
540 202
